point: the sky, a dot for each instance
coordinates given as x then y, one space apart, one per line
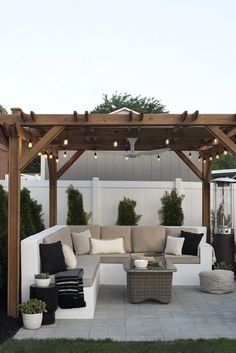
57 56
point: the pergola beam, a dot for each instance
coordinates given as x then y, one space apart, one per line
40 145
190 164
120 120
52 191
69 163
223 138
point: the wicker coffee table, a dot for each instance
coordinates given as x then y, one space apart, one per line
154 282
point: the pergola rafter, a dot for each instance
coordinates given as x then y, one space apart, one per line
186 132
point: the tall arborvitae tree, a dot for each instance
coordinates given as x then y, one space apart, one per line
171 212
76 213
3 237
126 213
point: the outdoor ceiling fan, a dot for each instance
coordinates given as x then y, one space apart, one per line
133 154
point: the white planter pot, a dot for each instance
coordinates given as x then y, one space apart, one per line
42 282
32 321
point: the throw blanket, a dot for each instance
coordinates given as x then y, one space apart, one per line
70 288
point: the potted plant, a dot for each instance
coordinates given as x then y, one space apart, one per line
32 313
42 279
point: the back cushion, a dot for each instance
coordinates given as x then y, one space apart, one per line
94 229
118 232
176 231
62 235
148 239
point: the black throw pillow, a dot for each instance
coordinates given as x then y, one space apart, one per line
52 258
191 242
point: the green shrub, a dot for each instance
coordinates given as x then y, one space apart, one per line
126 213
76 213
33 306
171 212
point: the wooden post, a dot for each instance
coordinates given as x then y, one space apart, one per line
206 197
14 224
52 192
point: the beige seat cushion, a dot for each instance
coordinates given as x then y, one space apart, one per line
90 264
183 259
62 235
94 229
114 258
148 239
115 232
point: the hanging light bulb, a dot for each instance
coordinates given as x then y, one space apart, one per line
225 152
50 155
57 159
190 155
115 143
45 155
126 158
210 158
217 156
40 154
158 158
199 157
30 145
167 141
64 155
215 141
95 155
204 160
65 142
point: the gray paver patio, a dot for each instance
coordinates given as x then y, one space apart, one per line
191 314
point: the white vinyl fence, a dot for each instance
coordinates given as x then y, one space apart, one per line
101 198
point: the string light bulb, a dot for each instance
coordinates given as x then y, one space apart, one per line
215 141
30 144
158 158
115 143
204 160
45 155
199 157
217 156
126 158
65 155
190 155
50 155
95 155
167 141
57 159
210 158
65 142
225 152
40 154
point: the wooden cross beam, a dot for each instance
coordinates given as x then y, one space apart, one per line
223 138
69 163
40 145
190 164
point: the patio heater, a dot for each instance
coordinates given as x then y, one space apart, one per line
223 233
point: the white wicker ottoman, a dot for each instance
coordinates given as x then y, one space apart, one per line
217 281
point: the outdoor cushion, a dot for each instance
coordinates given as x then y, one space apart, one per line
94 229
62 235
81 242
52 258
115 232
70 258
90 264
114 258
114 246
183 259
148 239
191 242
176 231
174 245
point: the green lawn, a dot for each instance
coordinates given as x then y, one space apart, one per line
108 346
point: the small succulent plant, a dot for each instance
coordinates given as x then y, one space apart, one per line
43 275
33 306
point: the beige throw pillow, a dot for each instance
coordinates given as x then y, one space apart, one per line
114 246
70 258
174 245
81 242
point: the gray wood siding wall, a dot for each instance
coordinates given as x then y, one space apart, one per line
113 166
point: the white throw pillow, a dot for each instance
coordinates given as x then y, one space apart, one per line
70 258
174 245
113 246
81 242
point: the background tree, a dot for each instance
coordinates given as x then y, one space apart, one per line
227 161
137 103
76 213
2 110
127 214
171 212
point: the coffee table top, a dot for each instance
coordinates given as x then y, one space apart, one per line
155 264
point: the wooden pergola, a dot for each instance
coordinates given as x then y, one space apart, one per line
209 134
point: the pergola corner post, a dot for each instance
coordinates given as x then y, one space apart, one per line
206 197
52 192
14 185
